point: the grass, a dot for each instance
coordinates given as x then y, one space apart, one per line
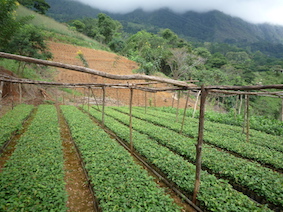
59 32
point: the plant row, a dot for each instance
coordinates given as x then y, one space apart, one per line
270 126
119 183
33 177
236 132
263 181
215 194
12 121
213 134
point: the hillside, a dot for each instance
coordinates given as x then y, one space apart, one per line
107 62
213 26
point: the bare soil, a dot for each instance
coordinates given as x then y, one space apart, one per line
110 63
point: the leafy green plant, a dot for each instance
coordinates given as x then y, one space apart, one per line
33 177
12 121
182 172
119 183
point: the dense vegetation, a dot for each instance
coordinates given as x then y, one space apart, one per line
164 51
33 177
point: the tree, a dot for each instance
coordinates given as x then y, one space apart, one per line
8 23
147 49
182 63
28 41
108 27
39 6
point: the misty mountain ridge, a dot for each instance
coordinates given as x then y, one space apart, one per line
212 26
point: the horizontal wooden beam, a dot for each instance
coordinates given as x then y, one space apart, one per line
92 71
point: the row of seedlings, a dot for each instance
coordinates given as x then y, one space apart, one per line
214 195
263 181
118 182
232 141
234 132
259 123
12 121
33 177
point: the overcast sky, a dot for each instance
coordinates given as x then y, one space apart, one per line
255 11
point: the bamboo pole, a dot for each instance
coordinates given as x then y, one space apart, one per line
88 96
185 111
204 93
248 119
131 124
21 94
241 102
96 102
196 103
103 105
145 102
245 114
178 104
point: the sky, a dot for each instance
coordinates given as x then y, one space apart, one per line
254 11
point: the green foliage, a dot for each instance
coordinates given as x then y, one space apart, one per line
39 6
12 121
239 170
119 183
28 41
179 170
7 22
33 177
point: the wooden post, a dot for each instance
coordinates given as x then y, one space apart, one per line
21 95
145 102
117 93
245 114
185 111
204 93
173 96
95 99
131 124
88 96
1 89
248 118
103 105
154 96
241 102
178 103
196 103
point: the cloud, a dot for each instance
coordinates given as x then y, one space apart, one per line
255 11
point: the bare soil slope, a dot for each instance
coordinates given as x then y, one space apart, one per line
109 63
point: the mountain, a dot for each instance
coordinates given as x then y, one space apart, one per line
213 26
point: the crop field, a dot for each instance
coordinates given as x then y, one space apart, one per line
236 175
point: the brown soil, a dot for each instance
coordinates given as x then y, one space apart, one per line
110 63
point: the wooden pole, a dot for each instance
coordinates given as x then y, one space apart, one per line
96 102
88 96
117 93
241 102
131 124
21 95
185 111
248 118
145 101
1 89
196 103
245 114
103 104
173 98
178 104
204 93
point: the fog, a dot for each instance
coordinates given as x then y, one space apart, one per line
255 11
